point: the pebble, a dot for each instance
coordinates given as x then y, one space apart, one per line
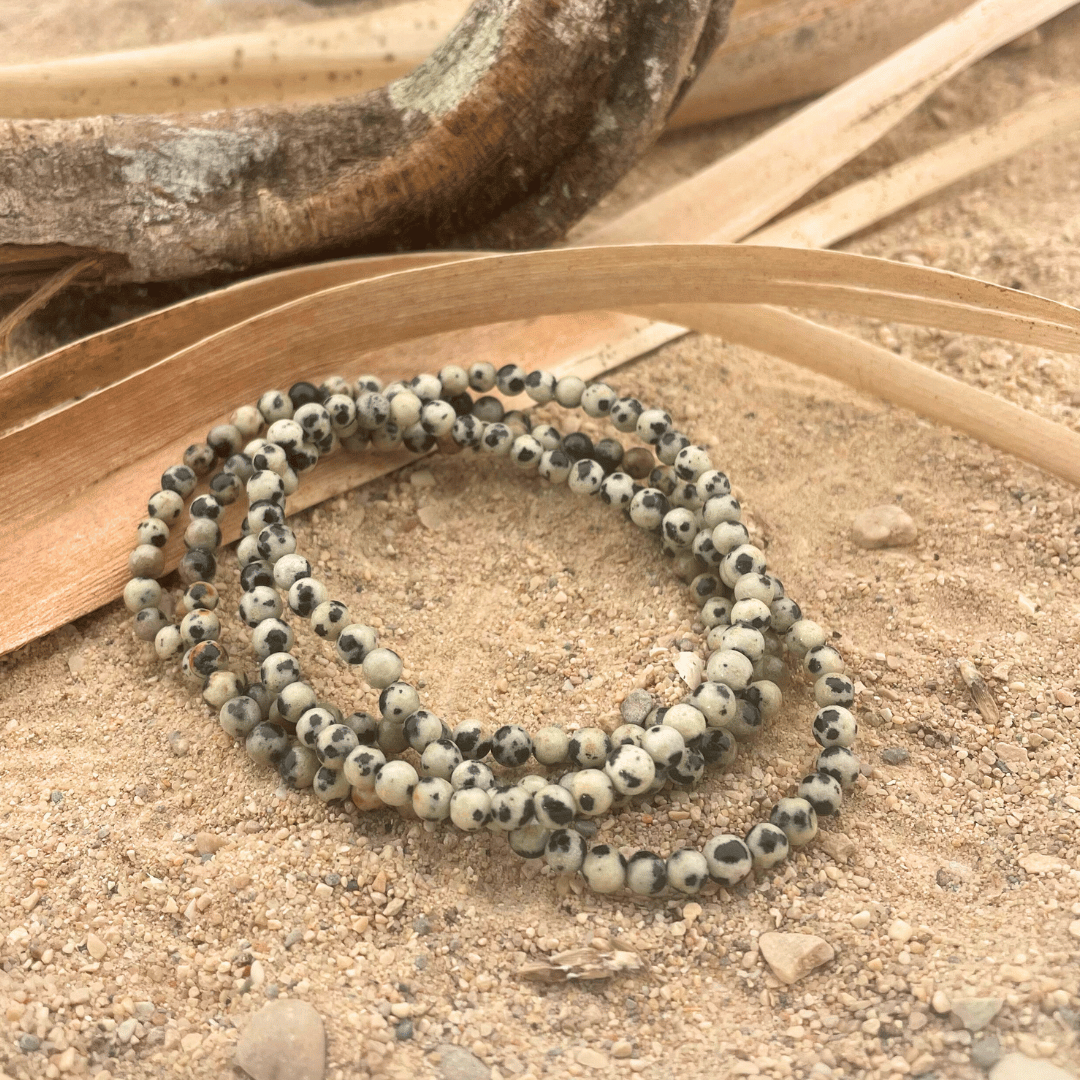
29 1043
895 755
1011 753
178 744
976 1013
456 1063
591 1059
883 526
284 1038
1020 1067
940 1002
126 1030
1043 864
206 843
860 920
636 707
836 845
622 1049
1074 928
793 956
900 931
404 1030
96 947
986 1052
421 925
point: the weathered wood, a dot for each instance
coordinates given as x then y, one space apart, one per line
506 135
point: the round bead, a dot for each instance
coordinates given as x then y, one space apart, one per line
717 747
179 478
529 842
630 768
716 611
585 477
679 527
199 626
626 735
745 559
731 668
822 792
751 613
784 613
354 643
167 642
525 452
689 769
797 819
647 508
554 806
597 400
604 869
803 636
839 763
646 873
471 741
717 703
362 766
222 686
554 466
330 784
329 619
746 722
165 505
274 542
511 746
589 748
381 668
472 774
290 568
687 870
423 728
267 744
834 690
670 444
766 697
141 593
652 425
295 700
728 859
298 767
470 808
202 533
274 405
334 744
431 798
551 745
768 845
278 670
751 643
729 536
617 489
258 604
511 807
146 561
202 660
399 701
312 722
823 660
566 850
664 745
691 462
593 792
240 717
496 439
440 758
395 782
152 531
835 726
271 636
688 721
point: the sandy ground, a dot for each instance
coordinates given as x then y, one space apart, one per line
157 888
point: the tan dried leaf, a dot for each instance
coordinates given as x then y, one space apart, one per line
577 965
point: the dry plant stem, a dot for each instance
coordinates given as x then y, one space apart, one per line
730 199
781 51
72 504
980 692
861 205
43 295
797 48
506 135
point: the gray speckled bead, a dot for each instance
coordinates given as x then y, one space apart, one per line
334 744
381 667
141 593
259 603
440 758
554 806
511 807
589 748
298 767
329 619
330 784
822 792
271 636
511 746
240 717
278 670
354 643
294 700
267 744
312 723
395 782
146 561
362 766
471 741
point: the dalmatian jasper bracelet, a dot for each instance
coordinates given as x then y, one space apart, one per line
312 743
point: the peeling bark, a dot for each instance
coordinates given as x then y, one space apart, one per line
510 131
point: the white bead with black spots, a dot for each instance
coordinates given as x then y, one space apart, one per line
728 859
312 723
278 670
768 845
551 745
617 489
834 690
440 758
472 774
798 820
271 636
822 792
687 871
585 477
589 748
395 782
362 766
355 642
604 869
593 792
470 808
717 703
630 767
381 668
431 798
526 451
646 873
823 660
648 507
687 720
471 741
540 386
741 639
745 559
554 806
840 763
664 745
511 746
398 702
295 700
511 807
334 744
730 667
804 635
566 850
679 527
834 726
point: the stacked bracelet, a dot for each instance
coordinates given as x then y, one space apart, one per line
667 487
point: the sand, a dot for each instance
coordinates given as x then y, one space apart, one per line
158 889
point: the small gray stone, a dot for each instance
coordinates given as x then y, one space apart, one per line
126 1030
292 937
976 1013
404 1030
986 1052
284 1040
895 755
636 707
29 1043
587 828
883 526
1021 1067
422 925
456 1063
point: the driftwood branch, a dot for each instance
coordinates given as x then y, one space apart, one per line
510 131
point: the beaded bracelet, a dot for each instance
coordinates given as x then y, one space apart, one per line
687 502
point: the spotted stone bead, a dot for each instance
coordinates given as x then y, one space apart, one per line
511 807
431 798
604 869
472 774
334 744
768 845
841 764
630 768
471 740
835 726
267 744
589 748
728 858
555 807
566 851
470 808
822 792
646 873
687 870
